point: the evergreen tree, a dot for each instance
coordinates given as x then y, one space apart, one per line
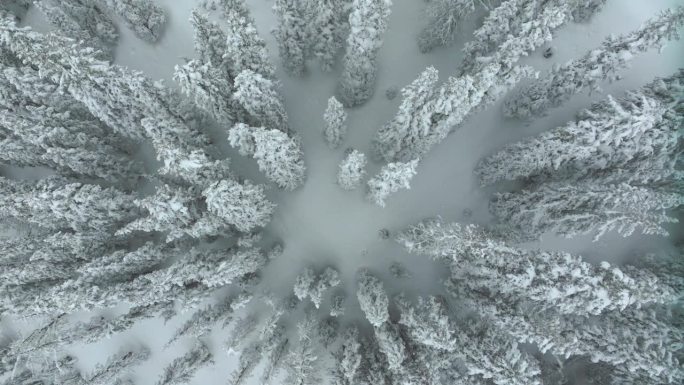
82 20
391 345
108 372
603 63
245 49
144 17
486 351
182 369
642 340
589 207
372 298
399 135
292 35
210 43
241 205
444 18
335 128
515 18
279 156
257 95
368 21
301 362
351 171
42 136
327 22
480 261
55 203
208 88
634 139
348 358
313 286
204 319
391 178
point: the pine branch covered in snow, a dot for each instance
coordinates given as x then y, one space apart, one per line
603 63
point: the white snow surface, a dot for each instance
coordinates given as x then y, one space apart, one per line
320 224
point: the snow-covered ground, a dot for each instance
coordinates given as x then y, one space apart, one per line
319 223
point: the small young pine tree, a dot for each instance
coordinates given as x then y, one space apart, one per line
335 118
352 170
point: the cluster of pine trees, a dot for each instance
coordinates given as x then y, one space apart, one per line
88 225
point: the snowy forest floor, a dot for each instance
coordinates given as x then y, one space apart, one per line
319 224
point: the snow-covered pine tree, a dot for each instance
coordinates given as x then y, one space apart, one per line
352 169
486 351
119 97
144 17
588 207
82 20
313 286
372 298
177 212
461 96
348 358
43 136
480 261
208 87
210 42
444 18
107 373
278 155
292 35
600 64
241 205
392 346
394 138
368 21
301 363
335 118
642 340
205 318
515 18
182 369
327 27
391 178
189 279
56 203
245 49
276 354
633 139
258 96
